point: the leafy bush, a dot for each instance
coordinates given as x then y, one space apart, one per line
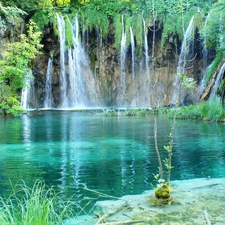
44 17
15 66
11 106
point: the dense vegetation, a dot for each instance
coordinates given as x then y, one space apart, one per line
171 16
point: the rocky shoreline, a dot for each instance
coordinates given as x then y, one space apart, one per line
194 202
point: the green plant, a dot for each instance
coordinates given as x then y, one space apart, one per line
69 32
118 30
44 17
11 13
130 112
34 206
110 112
17 61
11 106
163 189
214 66
211 110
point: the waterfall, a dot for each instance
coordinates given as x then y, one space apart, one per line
76 57
133 67
123 65
79 88
25 95
221 29
48 85
222 70
205 51
185 57
217 82
62 38
146 88
205 61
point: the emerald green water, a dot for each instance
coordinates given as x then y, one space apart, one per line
115 155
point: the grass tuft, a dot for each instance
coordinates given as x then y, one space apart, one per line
38 205
208 111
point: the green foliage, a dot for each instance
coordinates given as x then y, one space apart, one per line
135 112
221 87
127 112
33 4
18 58
118 30
138 30
110 112
34 206
169 28
16 64
44 17
210 111
11 106
98 13
11 13
214 32
214 66
94 17
187 82
69 32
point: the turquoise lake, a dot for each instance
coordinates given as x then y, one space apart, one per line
114 155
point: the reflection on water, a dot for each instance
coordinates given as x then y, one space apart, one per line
115 155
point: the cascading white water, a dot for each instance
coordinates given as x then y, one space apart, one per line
185 56
25 95
83 89
222 69
48 85
63 81
123 65
79 89
146 88
205 61
217 82
76 58
146 50
133 103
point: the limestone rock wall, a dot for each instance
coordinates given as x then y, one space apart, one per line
104 59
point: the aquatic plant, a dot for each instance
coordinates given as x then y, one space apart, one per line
135 112
110 112
34 206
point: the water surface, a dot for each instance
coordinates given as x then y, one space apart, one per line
115 155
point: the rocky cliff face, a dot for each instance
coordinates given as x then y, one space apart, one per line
148 85
9 32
